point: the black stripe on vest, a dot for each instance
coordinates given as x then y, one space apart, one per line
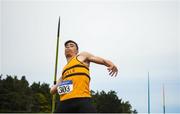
75 74
74 67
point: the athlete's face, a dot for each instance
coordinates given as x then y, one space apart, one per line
70 49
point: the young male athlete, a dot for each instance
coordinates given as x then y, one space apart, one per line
73 86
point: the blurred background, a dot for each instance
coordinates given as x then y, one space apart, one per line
139 36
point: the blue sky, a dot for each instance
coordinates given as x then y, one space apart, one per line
138 36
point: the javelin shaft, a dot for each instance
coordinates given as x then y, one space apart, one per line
57 50
56 65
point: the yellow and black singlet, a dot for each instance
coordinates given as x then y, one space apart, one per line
75 80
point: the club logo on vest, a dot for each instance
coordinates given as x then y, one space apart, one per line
70 71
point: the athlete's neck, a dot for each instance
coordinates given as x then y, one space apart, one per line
69 58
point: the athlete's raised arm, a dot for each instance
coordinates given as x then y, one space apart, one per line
98 60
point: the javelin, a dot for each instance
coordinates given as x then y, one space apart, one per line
56 63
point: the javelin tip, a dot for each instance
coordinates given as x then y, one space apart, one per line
58 27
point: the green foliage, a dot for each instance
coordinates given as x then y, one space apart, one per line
109 102
41 97
18 96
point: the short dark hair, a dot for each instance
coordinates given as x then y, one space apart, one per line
71 41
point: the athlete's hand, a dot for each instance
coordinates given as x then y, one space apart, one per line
53 88
112 70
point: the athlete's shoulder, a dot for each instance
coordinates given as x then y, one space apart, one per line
87 56
84 53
